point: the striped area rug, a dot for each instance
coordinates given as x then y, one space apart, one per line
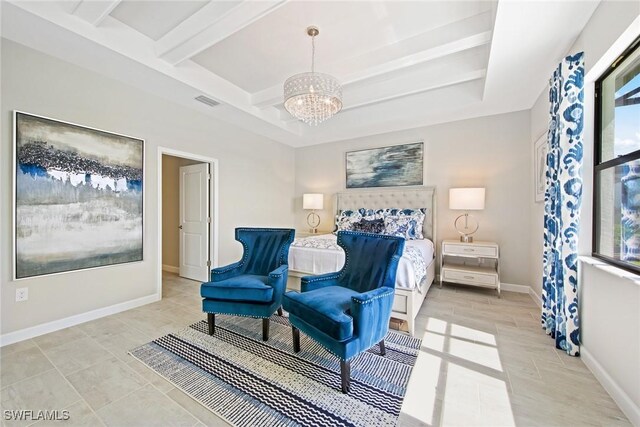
249 382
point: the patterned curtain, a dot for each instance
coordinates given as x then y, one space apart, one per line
562 200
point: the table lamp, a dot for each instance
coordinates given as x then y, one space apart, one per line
313 201
466 199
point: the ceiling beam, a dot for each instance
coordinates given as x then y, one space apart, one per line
362 100
131 44
94 11
207 27
273 95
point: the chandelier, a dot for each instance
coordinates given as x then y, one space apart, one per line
312 97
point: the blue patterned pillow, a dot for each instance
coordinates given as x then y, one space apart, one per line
405 223
346 219
370 226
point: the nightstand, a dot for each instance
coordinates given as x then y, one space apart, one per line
475 264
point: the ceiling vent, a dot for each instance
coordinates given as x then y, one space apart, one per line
208 101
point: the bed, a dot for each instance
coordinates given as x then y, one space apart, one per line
416 269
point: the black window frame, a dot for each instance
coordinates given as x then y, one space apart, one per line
599 165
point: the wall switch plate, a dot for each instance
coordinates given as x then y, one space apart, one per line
22 294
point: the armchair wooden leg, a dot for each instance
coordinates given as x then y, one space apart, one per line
211 320
280 311
265 329
296 339
345 375
383 349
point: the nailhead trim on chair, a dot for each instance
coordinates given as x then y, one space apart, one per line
358 233
354 299
322 279
222 270
339 357
241 315
282 259
341 273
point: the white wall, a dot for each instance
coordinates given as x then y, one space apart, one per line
610 305
256 178
491 152
611 333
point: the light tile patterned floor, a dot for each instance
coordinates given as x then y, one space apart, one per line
484 361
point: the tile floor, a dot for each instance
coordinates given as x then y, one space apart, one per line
484 361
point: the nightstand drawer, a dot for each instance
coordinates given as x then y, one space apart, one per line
469 250
468 276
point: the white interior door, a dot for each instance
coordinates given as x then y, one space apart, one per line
194 222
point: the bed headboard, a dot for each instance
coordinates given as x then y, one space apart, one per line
403 198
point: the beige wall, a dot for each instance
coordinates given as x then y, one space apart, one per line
491 152
256 178
171 208
539 125
608 302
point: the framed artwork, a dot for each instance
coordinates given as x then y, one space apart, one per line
541 149
397 165
78 197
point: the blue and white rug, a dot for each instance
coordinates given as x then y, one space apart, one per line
249 382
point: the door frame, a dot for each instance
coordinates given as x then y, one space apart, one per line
213 206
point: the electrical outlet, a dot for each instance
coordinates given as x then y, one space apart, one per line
22 294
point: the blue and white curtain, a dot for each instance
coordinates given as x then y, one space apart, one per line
562 201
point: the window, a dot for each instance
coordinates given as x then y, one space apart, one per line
616 232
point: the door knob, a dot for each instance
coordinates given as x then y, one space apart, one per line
180 227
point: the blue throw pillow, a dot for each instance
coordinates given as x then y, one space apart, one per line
370 226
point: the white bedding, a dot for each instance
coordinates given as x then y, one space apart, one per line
321 254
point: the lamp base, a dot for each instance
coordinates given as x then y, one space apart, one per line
313 220
465 229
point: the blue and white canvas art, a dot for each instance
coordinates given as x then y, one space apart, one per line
78 197
393 166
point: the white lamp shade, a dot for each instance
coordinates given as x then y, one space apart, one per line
466 199
312 201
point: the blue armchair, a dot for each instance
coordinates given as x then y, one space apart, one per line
253 286
348 311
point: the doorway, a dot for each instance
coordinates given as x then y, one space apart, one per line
187 202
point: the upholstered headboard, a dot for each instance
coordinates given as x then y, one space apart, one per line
403 198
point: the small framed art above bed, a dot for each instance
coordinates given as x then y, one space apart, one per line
387 211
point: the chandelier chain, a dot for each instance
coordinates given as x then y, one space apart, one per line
313 53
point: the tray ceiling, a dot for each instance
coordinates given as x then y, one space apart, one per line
402 64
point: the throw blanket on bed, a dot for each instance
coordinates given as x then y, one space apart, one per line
328 242
318 242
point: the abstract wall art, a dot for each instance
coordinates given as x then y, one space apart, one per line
393 166
78 197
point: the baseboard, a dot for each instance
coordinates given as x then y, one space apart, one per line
170 268
56 325
626 404
510 287
535 297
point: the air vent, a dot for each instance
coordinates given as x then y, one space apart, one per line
210 102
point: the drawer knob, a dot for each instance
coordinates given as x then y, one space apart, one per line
469 277
468 249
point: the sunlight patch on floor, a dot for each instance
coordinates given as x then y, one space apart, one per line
471 334
480 354
474 398
422 391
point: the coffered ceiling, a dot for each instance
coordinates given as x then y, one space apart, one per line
403 64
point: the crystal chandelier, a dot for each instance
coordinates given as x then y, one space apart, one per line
312 97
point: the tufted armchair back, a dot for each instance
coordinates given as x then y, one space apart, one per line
370 260
265 249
